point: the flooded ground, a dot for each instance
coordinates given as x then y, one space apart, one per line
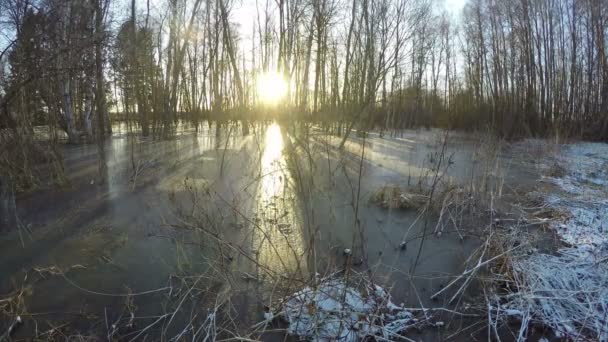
212 218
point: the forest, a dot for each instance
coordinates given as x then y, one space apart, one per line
287 168
534 66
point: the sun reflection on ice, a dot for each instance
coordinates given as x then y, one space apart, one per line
272 163
278 239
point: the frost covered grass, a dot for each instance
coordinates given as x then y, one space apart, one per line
585 197
586 222
586 166
342 309
568 291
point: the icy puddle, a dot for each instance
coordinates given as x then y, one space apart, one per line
346 308
250 225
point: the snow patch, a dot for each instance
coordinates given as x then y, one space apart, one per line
585 197
336 311
569 291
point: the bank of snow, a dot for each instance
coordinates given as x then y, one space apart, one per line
585 199
569 291
335 310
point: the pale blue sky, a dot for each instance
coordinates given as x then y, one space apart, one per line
244 12
454 6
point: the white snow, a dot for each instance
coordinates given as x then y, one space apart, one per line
587 224
333 310
569 291
566 291
585 194
587 169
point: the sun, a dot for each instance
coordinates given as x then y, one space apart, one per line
271 88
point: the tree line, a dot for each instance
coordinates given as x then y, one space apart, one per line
539 65
533 66
69 68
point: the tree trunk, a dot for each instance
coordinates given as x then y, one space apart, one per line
8 209
68 112
100 96
88 109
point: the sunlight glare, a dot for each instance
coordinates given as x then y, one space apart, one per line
272 163
280 245
271 88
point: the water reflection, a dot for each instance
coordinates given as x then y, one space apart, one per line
278 238
272 163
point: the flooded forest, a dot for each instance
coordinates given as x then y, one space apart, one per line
303 170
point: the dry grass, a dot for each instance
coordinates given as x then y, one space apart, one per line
556 170
214 293
396 197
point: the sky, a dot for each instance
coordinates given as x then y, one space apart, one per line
244 12
454 6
